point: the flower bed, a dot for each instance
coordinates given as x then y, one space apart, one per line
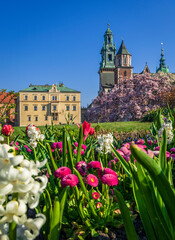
91 183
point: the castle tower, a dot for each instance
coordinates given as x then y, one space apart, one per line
123 69
162 67
107 64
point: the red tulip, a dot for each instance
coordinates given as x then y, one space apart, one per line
92 131
7 130
86 129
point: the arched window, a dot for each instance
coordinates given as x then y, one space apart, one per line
109 39
125 73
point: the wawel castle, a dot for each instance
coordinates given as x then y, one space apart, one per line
116 65
44 104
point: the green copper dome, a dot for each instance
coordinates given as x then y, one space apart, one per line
162 67
108 31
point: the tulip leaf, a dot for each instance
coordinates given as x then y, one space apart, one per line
80 141
129 226
85 193
162 152
160 180
64 148
122 160
170 114
55 167
152 204
70 158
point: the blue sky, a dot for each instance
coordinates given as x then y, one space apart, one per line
45 42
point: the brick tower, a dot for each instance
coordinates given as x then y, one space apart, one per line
123 69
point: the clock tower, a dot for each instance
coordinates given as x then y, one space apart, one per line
107 64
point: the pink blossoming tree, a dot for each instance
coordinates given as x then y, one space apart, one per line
131 100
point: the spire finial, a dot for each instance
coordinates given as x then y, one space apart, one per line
108 25
146 63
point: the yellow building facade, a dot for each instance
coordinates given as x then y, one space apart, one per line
44 104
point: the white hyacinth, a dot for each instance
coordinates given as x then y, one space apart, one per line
104 142
20 177
35 135
1 138
168 127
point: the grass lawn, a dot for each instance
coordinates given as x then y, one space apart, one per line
110 126
125 126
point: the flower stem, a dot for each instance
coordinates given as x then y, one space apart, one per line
12 231
34 152
8 140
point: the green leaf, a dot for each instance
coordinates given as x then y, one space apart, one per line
170 114
152 204
64 148
80 141
55 223
122 160
55 167
143 212
70 158
159 120
160 180
162 152
85 191
57 216
129 226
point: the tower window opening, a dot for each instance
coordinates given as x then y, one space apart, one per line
109 39
125 73
109 57
125 60
119 61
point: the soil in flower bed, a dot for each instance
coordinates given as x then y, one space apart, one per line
120 234
113 233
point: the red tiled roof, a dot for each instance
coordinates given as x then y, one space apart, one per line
4 98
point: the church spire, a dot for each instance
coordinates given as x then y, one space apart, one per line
162 66
108 50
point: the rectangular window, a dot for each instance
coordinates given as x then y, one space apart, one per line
54 107
25 108
74 108
55 117
44 98
43 108
29 118
26 97
35 108
109 57
36 118
55 98
35 97
67 98
45 118
67 108
74 98
125 60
